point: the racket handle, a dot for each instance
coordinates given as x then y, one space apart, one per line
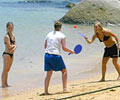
69 53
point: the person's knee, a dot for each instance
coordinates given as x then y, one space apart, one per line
115 62
6 70
49 73
105 60
104 63
64 73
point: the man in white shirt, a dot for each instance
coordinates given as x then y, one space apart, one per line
53 61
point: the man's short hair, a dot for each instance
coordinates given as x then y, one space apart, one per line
57 24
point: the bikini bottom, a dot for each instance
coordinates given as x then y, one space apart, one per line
11 55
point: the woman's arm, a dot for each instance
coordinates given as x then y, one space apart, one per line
90 41
7 43
109 33
13 49
64 46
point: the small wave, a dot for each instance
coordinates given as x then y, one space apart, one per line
36 4
35 1
32 5
49 1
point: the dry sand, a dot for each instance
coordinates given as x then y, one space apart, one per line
87 89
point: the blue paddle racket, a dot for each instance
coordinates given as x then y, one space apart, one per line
77 49
82 34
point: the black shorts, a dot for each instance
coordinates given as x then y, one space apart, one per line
112 52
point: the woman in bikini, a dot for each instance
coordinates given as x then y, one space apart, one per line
111 47
10 46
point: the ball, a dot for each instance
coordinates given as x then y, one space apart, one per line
75 26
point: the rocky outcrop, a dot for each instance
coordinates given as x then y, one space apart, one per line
70 5
89 11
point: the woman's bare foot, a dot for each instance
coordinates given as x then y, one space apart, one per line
8 86
102 80
118 78
4 86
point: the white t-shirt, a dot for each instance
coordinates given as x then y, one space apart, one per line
54 42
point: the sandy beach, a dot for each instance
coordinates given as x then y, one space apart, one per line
86 89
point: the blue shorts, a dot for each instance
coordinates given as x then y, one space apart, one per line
53 62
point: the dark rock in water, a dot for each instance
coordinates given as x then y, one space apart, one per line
89 11
21 1
31 1
70 5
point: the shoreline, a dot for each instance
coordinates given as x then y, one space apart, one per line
85 89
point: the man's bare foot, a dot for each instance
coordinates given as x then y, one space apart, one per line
45 94
67 91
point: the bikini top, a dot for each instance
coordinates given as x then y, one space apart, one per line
11 41
105 38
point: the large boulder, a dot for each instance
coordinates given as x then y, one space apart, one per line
89 11
70 5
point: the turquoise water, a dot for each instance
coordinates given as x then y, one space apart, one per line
32 22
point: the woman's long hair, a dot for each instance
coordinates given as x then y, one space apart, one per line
98 24
7 25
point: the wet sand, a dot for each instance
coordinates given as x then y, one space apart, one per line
86 89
